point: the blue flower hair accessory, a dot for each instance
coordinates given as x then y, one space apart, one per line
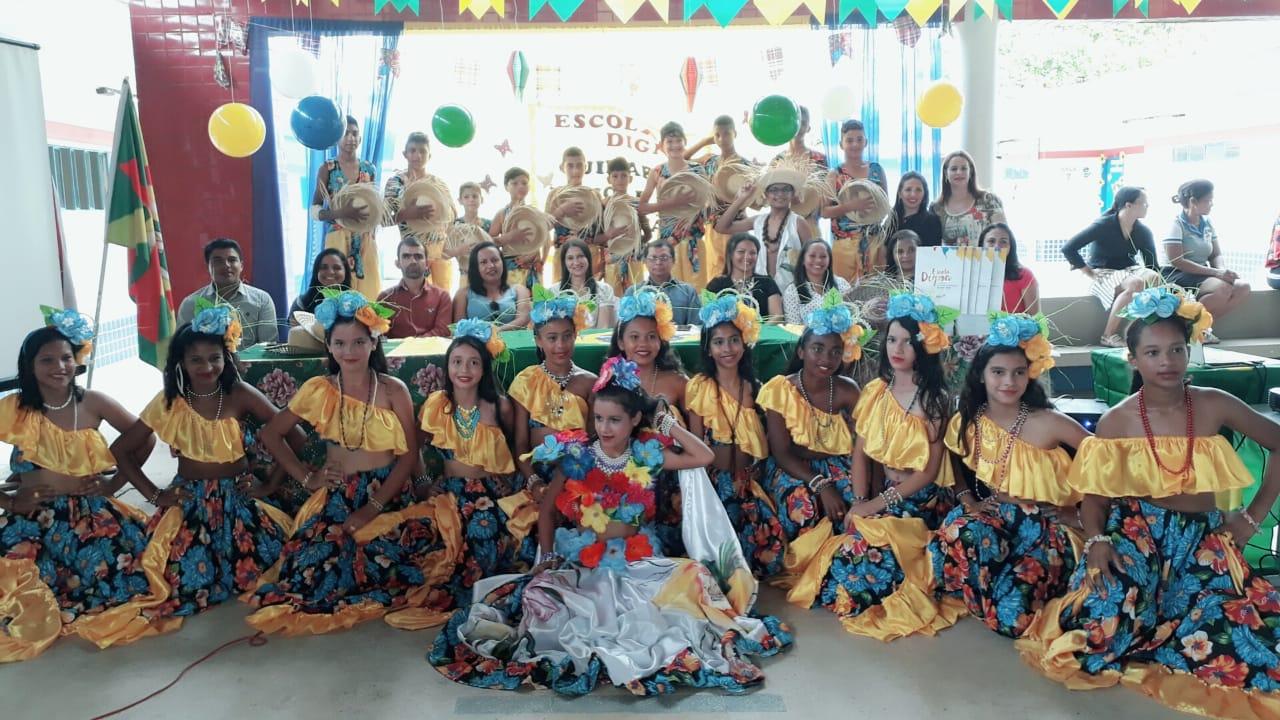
484 331
928 316
1159 303
619 371
218 319
728 306
836 317
562 305
648 301
76 327
1030 334
350 304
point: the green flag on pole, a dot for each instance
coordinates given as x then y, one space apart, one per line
133 223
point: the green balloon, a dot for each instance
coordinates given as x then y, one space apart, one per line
775 120
453 126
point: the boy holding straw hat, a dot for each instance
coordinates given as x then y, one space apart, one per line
723 134
684 233
573 163
417 151
470 196
522 269
621 270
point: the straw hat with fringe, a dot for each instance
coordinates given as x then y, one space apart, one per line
696 189
865 188
620 213
807 181
732 177
431 191
307 335
592 204
463 234
362 196
531 218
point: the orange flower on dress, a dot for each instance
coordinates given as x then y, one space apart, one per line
1242 612
1213 554
591 555
933 338
1263 595
638 547
1223 670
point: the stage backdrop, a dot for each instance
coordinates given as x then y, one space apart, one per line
33 265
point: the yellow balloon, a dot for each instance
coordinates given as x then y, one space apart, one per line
940 105
237 130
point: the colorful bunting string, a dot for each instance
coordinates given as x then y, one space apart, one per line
479 7
564 9
400 5
724 11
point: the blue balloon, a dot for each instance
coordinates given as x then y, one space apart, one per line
317 123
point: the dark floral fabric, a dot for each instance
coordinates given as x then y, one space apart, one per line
797 507
763 540
488 546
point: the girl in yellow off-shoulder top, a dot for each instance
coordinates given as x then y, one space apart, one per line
1165 602
1008 549
360 537
876 575
218 537
73 559
469 423
722 411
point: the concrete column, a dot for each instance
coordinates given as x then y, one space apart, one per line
978 83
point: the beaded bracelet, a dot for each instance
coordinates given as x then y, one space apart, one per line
892 499
1257 527
962 493
818 482
376 505
1093 541
860 498
548 556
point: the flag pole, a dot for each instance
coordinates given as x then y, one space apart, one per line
102 269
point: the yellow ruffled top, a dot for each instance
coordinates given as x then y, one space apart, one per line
1125 467
193 436
75 453
803 420
487 450
727 421
541 396
1032 473
892 436
318 402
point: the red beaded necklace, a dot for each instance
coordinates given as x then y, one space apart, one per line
1151 440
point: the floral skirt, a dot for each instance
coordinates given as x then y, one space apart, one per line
1184 621
489 547
80 564
751 511
648 625
225 541
328 579
1004 561
797 506
876 575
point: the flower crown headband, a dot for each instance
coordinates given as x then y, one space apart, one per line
619 371
218 319
562 305
486 332
836 317
930 317
728 306
648 301
1030 334
1159 303
75 327
350 304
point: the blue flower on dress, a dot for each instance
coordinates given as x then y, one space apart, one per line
577 462
197 568
213 320
1176 599
1171 658
313 553
1101 607
549 451
629 513
571 541
1010 608
1264 683
615 555
89 558
647 453
1250 649
869 577
471 327
482 525
985 543
74 326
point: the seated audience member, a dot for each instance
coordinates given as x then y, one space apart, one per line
741 253
488 296
1195 259
813 278
1122 259
1021 290
329 270
1273 257
659 258
901 256
911 210
256 308
422 309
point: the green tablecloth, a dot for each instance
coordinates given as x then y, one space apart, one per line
1246 376
278 374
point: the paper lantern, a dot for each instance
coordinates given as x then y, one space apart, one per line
690 79
237 130
518 73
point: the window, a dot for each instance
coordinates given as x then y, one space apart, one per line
466 73
707 72
79 176
773 61
547 80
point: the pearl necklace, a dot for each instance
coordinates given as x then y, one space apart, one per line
555 406
191 401
831 402
607 463
71 395
1002 464
192 393
75 408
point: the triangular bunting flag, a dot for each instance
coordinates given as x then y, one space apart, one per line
663 7
1061 8
563 8
400 5
1116 6
1143 6
891 9
724 11
985 7
922 10
1189 5
624 10
1006 8
479 7
867 8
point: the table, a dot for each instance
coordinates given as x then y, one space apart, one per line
1248 377
279 374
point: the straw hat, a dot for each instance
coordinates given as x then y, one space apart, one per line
462 234
731 177
807 181
700 194
866 188
362 196
619 212
307 335
590 199
816 193
531 218
431 191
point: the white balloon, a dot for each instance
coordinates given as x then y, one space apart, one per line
293 73
839 103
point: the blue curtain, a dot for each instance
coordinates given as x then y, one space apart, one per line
269 243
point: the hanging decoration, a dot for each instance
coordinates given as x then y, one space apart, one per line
1110 179
390 63
775 119
221 73
518 73
724 11
922 10
839 103
891 9
453 125
237 130
317 122
564 9
488 184
399 5
624 10
939 105
293 73
479 7
1062 8
866 8
776 12
505 148
690 79
840 44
